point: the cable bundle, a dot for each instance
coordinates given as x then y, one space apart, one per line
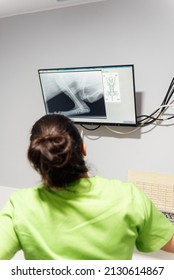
157 115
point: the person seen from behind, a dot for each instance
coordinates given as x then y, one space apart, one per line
72 216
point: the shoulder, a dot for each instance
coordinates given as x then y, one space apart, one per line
122 190
115 184
25 194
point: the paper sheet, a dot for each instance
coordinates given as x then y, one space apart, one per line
158 187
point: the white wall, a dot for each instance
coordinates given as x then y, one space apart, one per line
103 33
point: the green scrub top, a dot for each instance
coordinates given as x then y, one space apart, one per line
92 219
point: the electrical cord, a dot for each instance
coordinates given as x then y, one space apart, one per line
155 116
95 128
145 120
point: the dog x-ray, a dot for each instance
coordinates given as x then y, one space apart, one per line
75 94
91 95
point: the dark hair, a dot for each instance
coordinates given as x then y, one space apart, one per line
55 150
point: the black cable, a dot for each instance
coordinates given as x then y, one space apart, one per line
165 101
169 118
90 128
149 119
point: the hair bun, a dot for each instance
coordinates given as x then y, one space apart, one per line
55 149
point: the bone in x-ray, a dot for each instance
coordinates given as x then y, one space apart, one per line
79 87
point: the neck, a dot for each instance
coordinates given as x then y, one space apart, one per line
84 175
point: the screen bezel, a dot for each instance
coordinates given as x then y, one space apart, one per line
98 121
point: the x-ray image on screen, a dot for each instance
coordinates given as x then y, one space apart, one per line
102 95
75 94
